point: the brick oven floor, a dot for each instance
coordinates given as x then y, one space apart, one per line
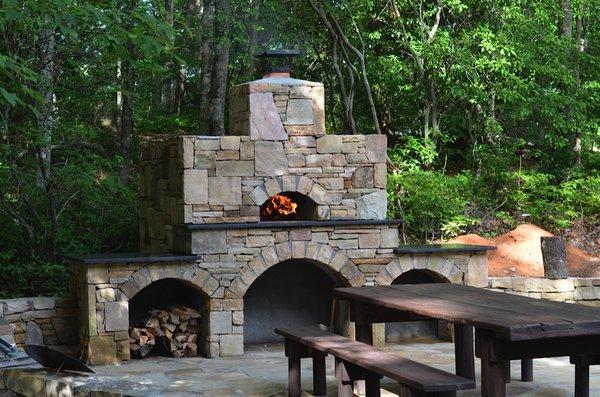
262 371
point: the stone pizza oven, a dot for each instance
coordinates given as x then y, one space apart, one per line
256 228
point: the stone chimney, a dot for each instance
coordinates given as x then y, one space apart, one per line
275 108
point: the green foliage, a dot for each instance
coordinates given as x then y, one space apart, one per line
430 203
510 96
435 205
32 278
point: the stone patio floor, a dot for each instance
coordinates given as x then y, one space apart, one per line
262 371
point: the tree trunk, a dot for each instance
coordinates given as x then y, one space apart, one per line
169 84
45 117
206 47
127 85
566 23
432 114
347 94
336 32
554 255
127 124
45 124
220 72
579 49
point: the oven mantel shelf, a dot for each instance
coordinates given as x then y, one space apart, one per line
291 224
442 248
131 257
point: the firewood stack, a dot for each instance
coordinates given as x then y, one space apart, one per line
173 331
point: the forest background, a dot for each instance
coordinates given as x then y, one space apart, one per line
491 108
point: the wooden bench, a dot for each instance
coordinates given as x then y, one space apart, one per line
359 361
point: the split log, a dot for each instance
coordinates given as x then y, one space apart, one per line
175 329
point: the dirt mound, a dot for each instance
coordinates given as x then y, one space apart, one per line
519 254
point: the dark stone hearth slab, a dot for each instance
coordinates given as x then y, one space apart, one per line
431 248
291 224
131 257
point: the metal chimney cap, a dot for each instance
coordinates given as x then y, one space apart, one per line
281 53
277 63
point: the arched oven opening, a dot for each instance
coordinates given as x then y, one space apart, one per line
288 206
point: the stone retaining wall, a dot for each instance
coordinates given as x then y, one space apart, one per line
585 291
43 321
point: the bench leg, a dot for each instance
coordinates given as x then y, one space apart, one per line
507 371
527 370
463 351
319 376
364 334
373 389
345 385
294 384
582 380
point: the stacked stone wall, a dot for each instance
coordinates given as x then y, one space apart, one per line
458 268
585 291
105 291
272 109
45 321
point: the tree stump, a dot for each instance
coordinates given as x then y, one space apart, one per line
554 255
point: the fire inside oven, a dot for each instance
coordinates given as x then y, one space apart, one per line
288 206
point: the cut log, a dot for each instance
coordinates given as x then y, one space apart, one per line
144 350
554 255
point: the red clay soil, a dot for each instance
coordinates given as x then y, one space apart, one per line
519 254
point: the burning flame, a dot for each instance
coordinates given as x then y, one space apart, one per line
280 207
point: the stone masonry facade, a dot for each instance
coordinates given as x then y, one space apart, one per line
199 179
352 256
201 197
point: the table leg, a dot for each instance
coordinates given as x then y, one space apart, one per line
527 370
492 368
582 380
507 371
319 376
463 351
373 389
294 384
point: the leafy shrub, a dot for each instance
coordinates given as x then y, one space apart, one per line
435 205
32 278
431 203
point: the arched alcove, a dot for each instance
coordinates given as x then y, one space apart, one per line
164 293
395 332
293 292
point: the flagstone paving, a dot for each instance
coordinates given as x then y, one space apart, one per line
262 371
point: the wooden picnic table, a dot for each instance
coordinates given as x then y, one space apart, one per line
507 327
